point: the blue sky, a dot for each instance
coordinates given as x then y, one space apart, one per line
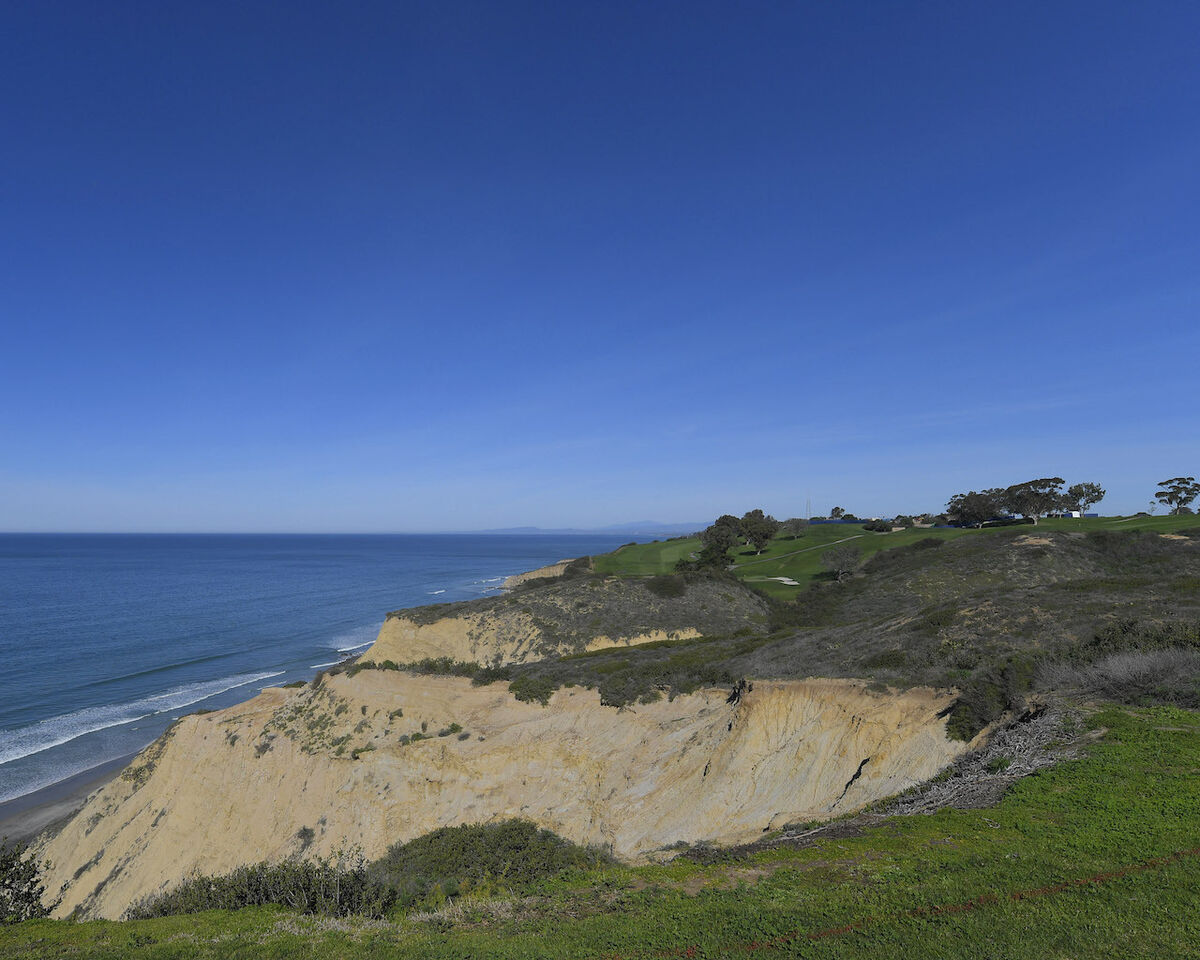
454 266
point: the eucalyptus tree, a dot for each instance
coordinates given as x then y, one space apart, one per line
1178 493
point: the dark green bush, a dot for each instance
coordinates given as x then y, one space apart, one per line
336 888
21 885
1129 634
493 674
454 860
887 660
991 692
529 688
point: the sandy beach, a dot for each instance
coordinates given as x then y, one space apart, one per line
24 818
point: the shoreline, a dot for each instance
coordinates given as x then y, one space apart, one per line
26 817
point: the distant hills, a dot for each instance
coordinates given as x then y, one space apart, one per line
636 528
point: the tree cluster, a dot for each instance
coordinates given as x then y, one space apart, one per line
754 528
1032 499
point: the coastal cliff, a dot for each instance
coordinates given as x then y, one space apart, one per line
567 617
549 572
367 760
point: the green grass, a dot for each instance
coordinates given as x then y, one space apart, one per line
644 559
800 559
1081 861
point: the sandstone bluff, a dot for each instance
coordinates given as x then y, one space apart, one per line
368 759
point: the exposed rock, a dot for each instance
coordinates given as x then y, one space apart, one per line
550 571
569 616
240 785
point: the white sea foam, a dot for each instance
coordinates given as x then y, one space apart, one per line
434 593
318 666
357 638
45 734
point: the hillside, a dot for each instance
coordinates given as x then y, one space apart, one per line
798 559
640 712
1093 858
381 756
551 617
982 611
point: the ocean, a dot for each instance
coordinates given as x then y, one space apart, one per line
107 638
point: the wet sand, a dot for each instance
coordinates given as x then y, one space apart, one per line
24 818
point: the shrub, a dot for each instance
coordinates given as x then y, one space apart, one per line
1129 634
492 674
988 695
337 888
878 526
21 885
1169 675
529 688
897 556
887 659
455 860
933 620
667 586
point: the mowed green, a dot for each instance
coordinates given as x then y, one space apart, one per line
799 559
1097 857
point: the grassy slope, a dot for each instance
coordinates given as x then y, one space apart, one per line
800 559
926 616
905 886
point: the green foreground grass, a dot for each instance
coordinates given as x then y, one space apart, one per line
1097 857
799 559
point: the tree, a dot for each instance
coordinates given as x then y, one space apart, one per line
973 509
758 528
718 539
1035 498
836 513
1081 496
794 527
841 561
21 887
1178 493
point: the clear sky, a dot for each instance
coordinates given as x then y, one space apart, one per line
430 266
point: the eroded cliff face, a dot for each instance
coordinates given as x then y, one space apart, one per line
547 572
513 637
569 616
385 756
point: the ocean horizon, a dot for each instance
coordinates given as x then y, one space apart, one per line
107 638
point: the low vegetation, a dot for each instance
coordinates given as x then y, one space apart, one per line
21 887
1000 614
1097 855
1010 616
477 859
567 615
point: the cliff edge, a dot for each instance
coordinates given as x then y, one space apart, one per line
382 756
